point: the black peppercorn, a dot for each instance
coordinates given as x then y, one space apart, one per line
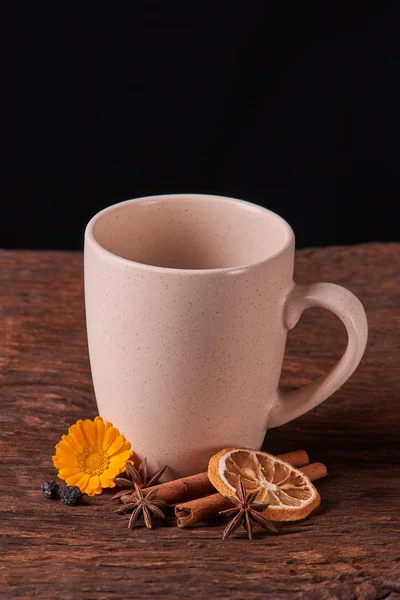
71 494
50 489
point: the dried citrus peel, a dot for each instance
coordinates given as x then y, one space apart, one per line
289 492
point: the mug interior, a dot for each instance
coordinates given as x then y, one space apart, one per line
189 231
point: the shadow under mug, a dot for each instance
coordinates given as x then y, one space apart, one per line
188 302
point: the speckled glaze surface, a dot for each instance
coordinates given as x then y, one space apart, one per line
188 302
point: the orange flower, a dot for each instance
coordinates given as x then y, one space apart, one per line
91 455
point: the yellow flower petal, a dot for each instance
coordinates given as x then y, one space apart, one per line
86 431
114 470
69 459
109 437
90 432
78 433
120 458
107 427
94 486
66 441
75 441
66 472
106 478
65 445
127 446
99 427
117 445
73 479
83 482
69 444
94 481
93 490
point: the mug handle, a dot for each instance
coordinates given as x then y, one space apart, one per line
350 311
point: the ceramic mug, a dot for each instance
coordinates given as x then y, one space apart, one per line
189 299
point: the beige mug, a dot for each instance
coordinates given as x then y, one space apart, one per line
189 299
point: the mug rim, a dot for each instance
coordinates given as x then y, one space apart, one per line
90 237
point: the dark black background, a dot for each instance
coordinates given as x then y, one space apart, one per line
292 105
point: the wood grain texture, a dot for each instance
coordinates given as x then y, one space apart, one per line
349 548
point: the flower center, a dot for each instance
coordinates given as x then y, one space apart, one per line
93 460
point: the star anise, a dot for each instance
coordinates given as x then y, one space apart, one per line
246 512
142 505
134 475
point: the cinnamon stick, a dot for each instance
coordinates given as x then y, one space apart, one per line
297 458
315 471
196 486
181 490
202 509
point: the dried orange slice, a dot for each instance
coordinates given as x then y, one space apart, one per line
289 492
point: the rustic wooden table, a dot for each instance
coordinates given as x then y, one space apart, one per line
349 548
